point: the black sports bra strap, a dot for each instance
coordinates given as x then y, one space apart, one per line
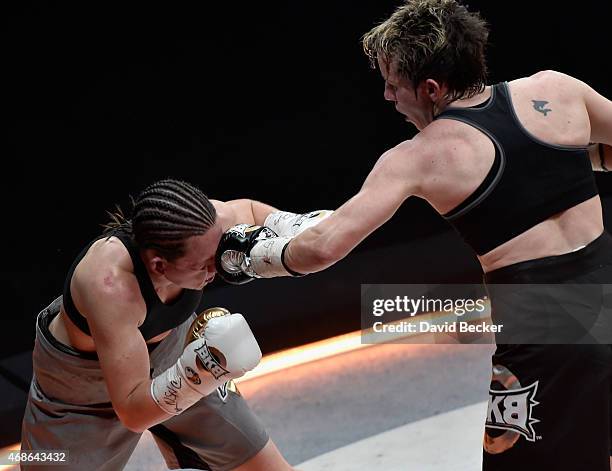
140 270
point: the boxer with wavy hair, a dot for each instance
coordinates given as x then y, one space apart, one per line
111 357
509 165
436 40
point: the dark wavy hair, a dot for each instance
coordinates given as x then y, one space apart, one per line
164 215
437 39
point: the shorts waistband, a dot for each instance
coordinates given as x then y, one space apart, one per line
44 320
558 268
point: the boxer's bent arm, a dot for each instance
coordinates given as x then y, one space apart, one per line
243 211
395 177
601 157
111 304
599 109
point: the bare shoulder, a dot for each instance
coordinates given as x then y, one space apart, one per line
413 160
222 208
404 157
226 213
218 205
553 75
105 277
552 80
441 141
413 153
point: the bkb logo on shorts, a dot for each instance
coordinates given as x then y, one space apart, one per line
210 363
510 410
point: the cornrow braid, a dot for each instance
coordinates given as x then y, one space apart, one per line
165 214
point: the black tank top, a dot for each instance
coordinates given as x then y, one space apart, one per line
529 181
160 317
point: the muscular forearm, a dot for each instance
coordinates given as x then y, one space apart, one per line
334 238
321 246
305 254
140 411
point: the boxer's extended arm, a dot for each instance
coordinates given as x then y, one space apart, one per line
395 177
111 302
246 252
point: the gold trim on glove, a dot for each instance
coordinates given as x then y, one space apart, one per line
199 323
195 332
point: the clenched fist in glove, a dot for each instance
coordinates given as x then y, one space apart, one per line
224 348
247 251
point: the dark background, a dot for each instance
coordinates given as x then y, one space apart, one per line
267 100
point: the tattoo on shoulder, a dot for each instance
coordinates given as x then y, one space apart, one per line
540 106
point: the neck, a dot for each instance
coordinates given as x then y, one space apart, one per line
160 282
165 289
474 100
440 106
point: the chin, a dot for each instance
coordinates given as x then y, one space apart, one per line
193 285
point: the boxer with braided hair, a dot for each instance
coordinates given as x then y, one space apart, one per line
165 215
111 357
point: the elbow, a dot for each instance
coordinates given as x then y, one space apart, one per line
325 253
332 246
314 250
133 425
318 259
130 421
328 254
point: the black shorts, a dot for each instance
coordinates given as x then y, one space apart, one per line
550 404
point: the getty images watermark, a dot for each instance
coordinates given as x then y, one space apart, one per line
422 313
473 313
437 309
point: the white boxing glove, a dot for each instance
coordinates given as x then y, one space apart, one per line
287 224
225 350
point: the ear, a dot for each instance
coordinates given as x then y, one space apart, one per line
432 89
159 265
156 264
